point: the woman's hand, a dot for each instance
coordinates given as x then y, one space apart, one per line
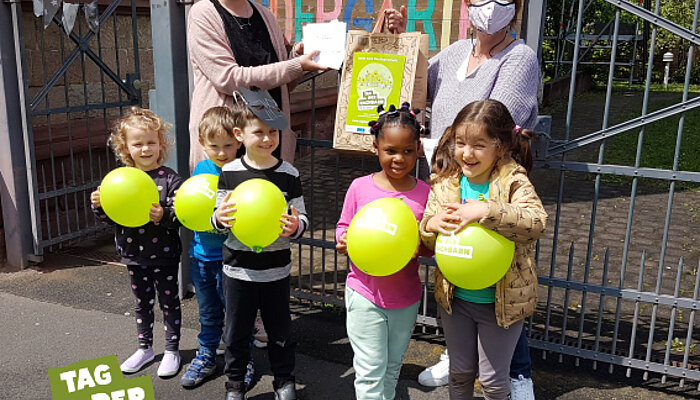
342 245
395 20
299 48
224 214
308 63
290 223
95 198
156 213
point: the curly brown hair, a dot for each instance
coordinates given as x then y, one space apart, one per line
138 118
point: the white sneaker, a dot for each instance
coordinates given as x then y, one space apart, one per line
438 374
170 364
521 389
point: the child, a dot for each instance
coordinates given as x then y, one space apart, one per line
484 154
382 310
220 144
151 252
259 280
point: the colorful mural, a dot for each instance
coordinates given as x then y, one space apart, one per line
445 21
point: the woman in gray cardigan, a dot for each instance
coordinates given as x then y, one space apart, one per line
491 64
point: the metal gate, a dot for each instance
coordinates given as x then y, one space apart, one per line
78 82
618 269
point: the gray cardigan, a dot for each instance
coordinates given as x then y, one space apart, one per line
510 77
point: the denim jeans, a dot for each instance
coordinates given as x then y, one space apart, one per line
521 363
206 277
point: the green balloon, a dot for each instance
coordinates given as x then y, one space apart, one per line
382 237
127 195
474 258
259 208
195 201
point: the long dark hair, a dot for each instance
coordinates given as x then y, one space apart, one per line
494 118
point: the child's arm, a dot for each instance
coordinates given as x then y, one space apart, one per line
295 223
349 211
436 219
97 207
166 209
522 220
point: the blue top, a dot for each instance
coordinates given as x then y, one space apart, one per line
207 246
477 192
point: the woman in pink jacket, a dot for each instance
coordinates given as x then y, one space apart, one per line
238 43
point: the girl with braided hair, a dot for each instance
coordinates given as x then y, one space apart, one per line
382 309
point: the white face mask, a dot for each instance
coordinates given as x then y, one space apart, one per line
490 16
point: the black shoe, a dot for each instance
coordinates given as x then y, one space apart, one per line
235 391
286 392
233 395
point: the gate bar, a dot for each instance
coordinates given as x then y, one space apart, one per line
657 20
17 166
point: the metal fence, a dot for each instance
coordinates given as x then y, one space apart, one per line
77 83
618 268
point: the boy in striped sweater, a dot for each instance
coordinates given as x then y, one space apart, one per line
259 280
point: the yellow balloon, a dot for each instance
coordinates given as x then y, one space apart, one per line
259 208
195 201
474 258
382 237
127 195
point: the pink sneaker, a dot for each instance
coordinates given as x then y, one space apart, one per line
170 364
137 360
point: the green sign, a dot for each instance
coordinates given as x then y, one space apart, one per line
376 80
98 379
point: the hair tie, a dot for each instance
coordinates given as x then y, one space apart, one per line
380 110
517 129
146 118
392 110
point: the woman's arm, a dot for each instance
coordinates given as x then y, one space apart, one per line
516 86
211 53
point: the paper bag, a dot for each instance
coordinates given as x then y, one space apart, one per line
413 46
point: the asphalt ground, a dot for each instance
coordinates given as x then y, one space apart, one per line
70 309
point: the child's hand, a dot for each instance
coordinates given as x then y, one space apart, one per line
290 223
342 245
472 211
222 213
95 198
156 213
445 222
417 252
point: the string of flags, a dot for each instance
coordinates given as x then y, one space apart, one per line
67 13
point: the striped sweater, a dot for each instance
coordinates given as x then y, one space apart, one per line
274 262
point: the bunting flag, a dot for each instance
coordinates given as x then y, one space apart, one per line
92 16
38 8
51 7
67 13
70 12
